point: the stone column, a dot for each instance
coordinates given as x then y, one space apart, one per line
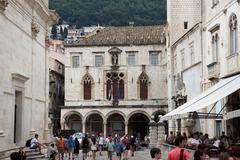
161 132
83 127
153 134
104 129
126 128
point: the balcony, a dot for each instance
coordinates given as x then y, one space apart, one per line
233 64
213 70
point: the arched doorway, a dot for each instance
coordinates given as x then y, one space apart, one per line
138 125
115 125
156 119
94 124
74 122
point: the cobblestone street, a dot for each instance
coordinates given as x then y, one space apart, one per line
139 155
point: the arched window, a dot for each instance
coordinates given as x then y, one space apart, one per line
109 90
215 47
115 86
87 87
121 89
233 34
143 82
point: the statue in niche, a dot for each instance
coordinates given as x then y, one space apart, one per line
115 59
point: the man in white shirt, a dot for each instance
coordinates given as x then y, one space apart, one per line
100 144
35 144
195 141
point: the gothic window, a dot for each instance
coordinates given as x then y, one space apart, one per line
87 88
233 34
109 90
143 82
215 45
121 89
115 86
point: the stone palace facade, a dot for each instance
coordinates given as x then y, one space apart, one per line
115 81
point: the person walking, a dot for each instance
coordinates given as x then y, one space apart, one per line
132 145
94 146
100 144
155 153
61 147
85 145
179 153
71 145
76 147
110 148
118 148
126 144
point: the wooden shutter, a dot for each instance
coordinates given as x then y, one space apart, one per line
143 90
87 91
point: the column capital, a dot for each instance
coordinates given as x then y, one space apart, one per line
152 123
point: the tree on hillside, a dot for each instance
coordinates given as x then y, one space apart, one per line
111 12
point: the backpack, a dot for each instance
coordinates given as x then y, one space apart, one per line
28 142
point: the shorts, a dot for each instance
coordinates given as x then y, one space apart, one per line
35 146
70 149
60 150
119 154
85 150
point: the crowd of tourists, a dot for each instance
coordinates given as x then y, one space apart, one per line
204 146
93 145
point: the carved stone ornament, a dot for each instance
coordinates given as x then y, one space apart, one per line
47 41
35 29
3 5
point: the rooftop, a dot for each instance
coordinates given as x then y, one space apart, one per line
129 35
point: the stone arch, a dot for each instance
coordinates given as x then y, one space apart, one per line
115 112
72 120
94 122
71 113
87 76
143 75
143 86
94 112
138 111
138 124
155 114
115 123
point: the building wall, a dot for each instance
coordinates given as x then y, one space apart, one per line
179 12
219 15
215 20
56 82
74 87
188 77
24 71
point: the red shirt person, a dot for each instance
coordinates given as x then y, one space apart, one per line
178 152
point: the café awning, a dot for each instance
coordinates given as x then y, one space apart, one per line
215 93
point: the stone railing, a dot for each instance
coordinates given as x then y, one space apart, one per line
213 70
233 63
